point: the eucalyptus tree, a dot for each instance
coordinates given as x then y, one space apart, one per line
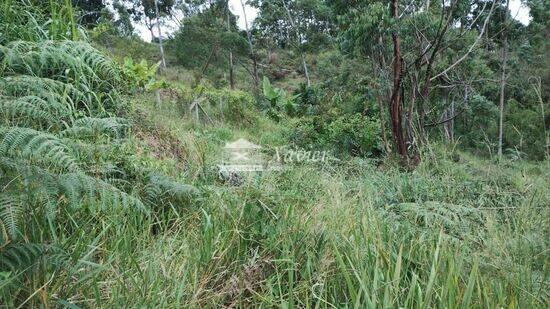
304 25
417 34
203 36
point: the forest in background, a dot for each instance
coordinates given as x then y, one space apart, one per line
434 114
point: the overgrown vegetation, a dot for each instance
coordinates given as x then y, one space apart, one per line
111 194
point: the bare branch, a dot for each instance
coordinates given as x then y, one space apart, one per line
471 47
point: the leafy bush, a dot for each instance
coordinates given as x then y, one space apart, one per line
355 134
59 138
140 73
234 106
279 102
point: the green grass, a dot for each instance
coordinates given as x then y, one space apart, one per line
450 234
459 231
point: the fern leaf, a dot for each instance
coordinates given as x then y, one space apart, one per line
34 145
20 256
10 213
88 126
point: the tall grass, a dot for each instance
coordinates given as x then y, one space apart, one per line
89 216
466 234
64 158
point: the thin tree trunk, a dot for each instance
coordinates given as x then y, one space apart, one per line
231 77
410 112
452 123
446 115
395 101
160 34
538 91
293 25
426 87
306 72
383 125
379 101
255 76
503 83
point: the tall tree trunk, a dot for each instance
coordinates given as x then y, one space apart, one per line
231 77
412 103
452 123
503 82
448 115
160 35
255 76
306 72
378 67
395 100
299 41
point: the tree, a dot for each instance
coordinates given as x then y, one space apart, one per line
503 80
255 76
305 25
420 34
151 12
91 11
202 37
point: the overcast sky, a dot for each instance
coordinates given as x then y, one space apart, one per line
518 12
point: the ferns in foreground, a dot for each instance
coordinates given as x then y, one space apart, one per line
74 61
59 135
64 68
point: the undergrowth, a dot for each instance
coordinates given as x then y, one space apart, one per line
96 210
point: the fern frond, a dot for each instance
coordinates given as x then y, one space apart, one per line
89 127
20 256
34 111
17 142
59 95
79 189
11 210
77 61
159 187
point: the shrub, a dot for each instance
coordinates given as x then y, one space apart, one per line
354 134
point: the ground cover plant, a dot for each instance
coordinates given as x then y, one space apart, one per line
112 194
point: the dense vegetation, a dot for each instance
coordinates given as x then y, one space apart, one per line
433 114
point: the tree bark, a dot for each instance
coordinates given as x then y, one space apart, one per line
160 35
503 82
395 100
293 25
231 77
255 76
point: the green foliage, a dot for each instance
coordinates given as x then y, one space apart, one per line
279 102
93 200
36 147
79 70
28 21
140 73
354 134
204 41
312 21
234 106
363 27
59 137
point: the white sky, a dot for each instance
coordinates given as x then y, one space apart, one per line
234 6
518 11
